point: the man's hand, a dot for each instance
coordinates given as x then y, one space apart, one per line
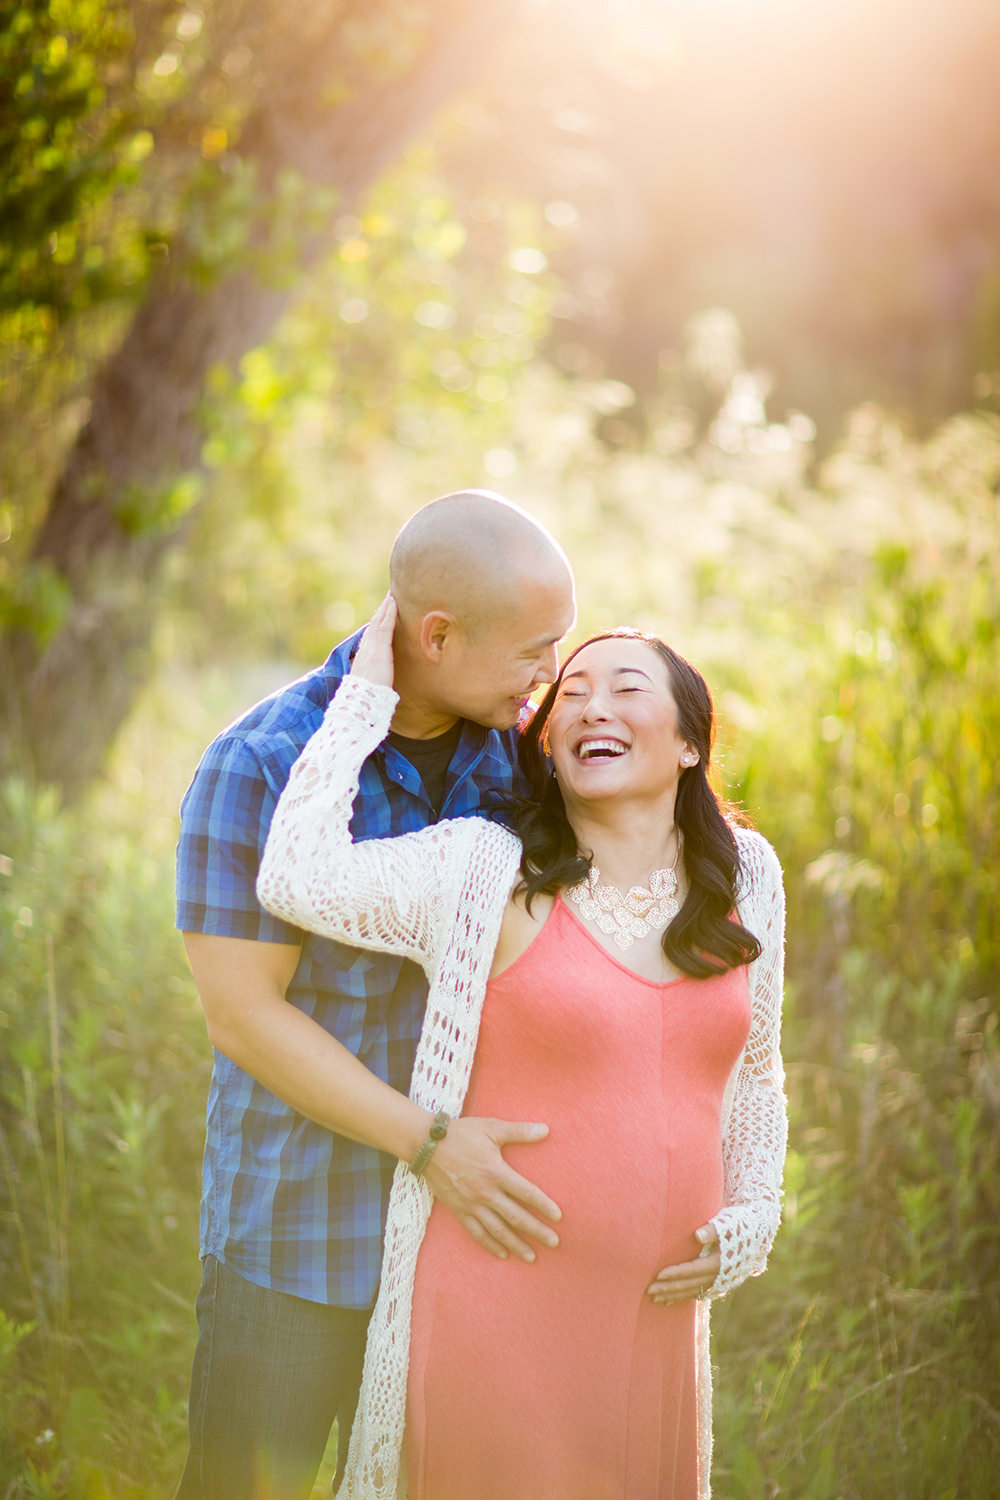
242 986
690 1278
373 658
498 1206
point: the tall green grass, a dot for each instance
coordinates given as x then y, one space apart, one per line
864 1366
102 1091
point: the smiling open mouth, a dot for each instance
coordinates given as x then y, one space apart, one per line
600 750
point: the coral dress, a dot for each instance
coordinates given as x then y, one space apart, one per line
561 1380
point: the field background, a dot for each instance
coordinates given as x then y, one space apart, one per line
714 291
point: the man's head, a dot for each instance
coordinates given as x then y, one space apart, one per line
484 594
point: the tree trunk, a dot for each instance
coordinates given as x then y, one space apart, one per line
103 535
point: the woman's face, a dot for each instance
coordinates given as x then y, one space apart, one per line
613 727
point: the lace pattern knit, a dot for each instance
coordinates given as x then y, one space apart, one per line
438 897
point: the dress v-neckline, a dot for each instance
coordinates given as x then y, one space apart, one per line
579 925
560 911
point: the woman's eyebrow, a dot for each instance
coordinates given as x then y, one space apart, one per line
620 671
616 672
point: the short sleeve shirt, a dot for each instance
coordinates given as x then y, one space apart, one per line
286 1203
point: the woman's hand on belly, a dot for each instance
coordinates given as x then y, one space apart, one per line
689 1278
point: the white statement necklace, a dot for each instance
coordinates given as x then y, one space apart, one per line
630 914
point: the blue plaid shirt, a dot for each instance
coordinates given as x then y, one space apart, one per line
285 1202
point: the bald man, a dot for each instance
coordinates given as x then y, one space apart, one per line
314 1041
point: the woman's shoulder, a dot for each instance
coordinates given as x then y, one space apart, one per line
758 860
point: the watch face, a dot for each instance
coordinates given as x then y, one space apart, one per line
439 1130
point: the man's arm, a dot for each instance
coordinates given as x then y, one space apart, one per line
242 985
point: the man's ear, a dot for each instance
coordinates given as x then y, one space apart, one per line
435 629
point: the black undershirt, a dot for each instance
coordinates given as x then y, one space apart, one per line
430 759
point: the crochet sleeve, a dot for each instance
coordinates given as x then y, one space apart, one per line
756 1130
381 894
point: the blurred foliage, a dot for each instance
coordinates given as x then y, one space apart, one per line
102 1089
861 258
106 110
175 154
101 127
308 444
65 148
826 171
866 1365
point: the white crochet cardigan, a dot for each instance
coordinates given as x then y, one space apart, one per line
438 897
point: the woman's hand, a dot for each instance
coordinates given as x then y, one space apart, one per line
373 658
691 1277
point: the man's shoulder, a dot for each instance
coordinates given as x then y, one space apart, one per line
285 718
247 764
276 729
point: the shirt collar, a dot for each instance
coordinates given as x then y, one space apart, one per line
338 663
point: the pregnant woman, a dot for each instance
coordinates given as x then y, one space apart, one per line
611 968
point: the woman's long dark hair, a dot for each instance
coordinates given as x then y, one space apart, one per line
704 938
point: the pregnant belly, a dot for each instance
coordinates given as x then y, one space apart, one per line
633 1178
629 1077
